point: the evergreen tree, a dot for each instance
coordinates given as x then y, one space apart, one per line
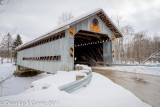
17 42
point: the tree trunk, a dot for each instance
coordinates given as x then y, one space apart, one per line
11 56
1 60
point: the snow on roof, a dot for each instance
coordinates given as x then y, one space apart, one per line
67 24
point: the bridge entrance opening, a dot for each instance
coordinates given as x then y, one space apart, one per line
88 47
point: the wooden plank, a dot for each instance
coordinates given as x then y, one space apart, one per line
83 37
86 34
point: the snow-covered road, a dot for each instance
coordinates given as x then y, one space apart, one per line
145 87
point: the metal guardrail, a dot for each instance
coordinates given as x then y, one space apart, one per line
73 86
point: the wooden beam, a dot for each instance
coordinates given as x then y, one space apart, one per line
99 35
80 41
83 37
86 34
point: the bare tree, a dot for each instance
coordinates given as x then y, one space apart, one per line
6 42
9 43
139 46
6 1
118 42
1 2
1 10
64 17
2 42
146 48
121 44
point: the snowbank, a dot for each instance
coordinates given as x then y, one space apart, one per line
156 63
100 92
135 69
152 63
85 67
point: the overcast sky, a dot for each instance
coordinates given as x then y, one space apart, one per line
32 18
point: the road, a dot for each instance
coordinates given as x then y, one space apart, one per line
146 87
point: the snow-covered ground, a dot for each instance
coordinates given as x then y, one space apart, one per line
100 92
6 70
14 85
152 63
136 63
134 69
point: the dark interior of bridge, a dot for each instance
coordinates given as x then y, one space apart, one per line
88 48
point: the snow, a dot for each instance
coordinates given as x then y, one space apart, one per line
14 85
85 67
100 92
156 63
134 69
152 63
82 74
6 70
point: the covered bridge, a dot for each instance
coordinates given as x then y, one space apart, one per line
86 39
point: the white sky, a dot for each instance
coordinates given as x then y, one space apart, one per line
32 18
